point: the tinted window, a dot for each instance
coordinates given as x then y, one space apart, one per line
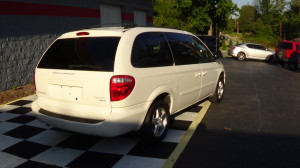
285 45
204 54
151 49
208 40
183 50
259 47
90 54
298 47
250 45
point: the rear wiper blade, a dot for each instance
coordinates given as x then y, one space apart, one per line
89 67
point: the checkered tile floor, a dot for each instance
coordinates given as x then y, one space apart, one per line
26 142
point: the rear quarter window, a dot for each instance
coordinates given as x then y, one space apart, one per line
286 45
151 49
298 47
188 49
89 54
183 50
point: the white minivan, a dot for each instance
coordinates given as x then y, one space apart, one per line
110 81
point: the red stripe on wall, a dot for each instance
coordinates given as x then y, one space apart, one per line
127 16
21 8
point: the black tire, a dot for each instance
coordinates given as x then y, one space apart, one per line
241 56
218 95
297 63
280 63
157 122
271 59
294 60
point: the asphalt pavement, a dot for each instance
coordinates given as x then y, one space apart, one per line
257 125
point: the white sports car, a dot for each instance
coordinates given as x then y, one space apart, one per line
250 50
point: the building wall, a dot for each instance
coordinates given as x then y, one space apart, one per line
28 27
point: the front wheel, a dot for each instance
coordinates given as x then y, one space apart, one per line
219 92
157 122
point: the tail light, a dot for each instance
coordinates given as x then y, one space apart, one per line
120 87
232 48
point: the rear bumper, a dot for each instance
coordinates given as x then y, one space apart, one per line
231 53
120 121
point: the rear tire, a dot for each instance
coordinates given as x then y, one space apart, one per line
157 122
217 97
241 56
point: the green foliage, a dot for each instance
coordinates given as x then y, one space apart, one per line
14 87
192 15
247 17
269 21
224 47
230 43
230 28
292 23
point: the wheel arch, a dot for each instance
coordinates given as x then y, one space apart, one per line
242 51
164 92
161 93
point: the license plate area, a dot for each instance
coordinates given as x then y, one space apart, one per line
66 93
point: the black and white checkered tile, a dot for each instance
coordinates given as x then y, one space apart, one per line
26 142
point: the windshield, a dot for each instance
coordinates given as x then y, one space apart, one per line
90 54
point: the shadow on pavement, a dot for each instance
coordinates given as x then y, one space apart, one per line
216 148
257 124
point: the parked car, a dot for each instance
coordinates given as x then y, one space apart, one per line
110 81
288 52
250 50
213 43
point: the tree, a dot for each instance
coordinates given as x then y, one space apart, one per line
220 12
292 23
192 15
247 17
272 13
182 14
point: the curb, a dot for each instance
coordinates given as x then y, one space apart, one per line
1 105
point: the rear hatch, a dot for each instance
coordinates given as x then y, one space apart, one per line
73 76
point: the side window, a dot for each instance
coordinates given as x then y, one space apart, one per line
184 52
151 49
250 46
259 47
298 47
204 53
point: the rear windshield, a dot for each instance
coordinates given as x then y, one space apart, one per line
285 45
89 54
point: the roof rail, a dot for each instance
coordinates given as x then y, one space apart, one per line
125 26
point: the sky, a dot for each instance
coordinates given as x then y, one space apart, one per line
240 3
